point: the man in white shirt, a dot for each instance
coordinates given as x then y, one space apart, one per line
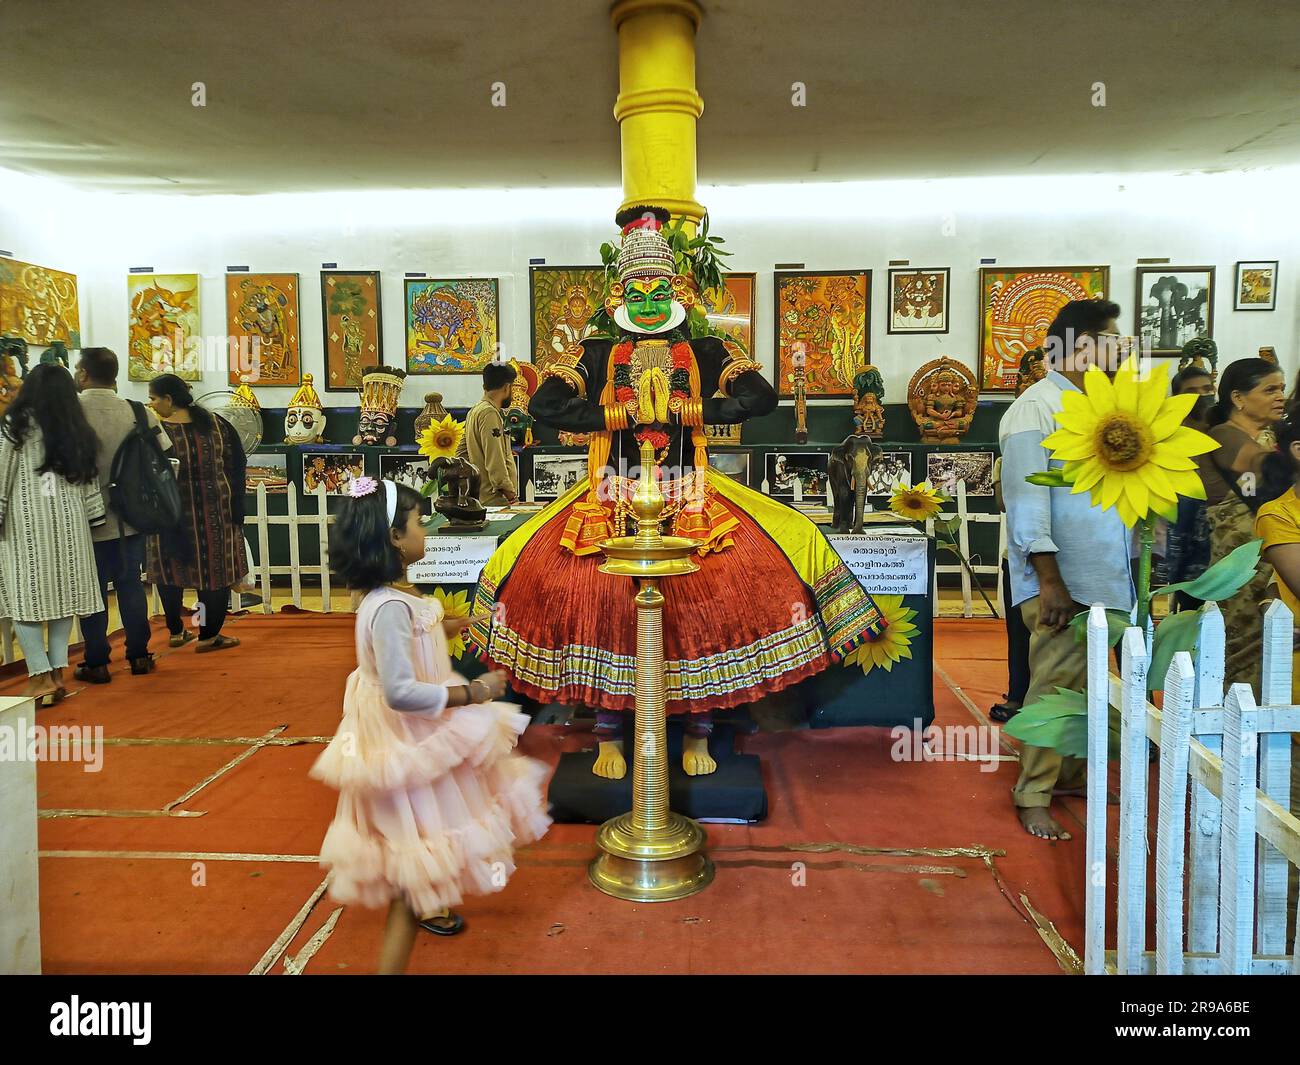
119 549
1063 553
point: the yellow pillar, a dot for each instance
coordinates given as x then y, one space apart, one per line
657 105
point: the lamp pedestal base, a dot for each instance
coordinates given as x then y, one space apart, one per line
643 865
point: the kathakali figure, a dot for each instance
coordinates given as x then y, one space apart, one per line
381 390
304 421
771 602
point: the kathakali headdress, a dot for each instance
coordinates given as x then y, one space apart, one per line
650 296
381 389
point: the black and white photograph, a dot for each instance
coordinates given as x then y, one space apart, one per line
553 475
808 468
410 470
945 469
887 471
735 464
1174 304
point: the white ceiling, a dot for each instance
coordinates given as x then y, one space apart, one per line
324 94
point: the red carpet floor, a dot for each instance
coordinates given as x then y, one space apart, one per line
174 860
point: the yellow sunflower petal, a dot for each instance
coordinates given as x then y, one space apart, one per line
1136 492
1170 416
1156 480
1112 487
1100 392
1187 484
1191 441
1089 474
1126 389
1152 393
1170 458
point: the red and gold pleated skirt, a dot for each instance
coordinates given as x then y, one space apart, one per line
748 622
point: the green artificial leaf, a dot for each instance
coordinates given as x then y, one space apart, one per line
1117 621
1178 632
1059 721
1049 479
948 526
1224 579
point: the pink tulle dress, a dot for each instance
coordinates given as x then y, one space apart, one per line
431 804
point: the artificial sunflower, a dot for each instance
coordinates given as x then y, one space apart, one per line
893 644
441 439
454 605
1125 442
919 502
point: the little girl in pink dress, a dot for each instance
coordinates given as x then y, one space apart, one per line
433 798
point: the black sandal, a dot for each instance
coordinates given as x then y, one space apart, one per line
1002 713
447 924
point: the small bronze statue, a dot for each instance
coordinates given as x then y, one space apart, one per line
457 499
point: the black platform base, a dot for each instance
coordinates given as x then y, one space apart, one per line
733 793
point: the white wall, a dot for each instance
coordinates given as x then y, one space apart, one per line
1194 220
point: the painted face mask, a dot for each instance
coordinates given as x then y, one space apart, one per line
649 307
304 421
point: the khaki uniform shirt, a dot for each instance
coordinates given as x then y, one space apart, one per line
112 419
487 446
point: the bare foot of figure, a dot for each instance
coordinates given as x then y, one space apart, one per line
696 759
610 762
1038 822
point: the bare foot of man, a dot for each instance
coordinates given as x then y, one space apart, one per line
1038 822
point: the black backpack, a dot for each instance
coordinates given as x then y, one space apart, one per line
142 487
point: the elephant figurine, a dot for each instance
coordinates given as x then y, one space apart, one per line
849 465
458 488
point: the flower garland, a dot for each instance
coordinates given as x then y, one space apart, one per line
679 383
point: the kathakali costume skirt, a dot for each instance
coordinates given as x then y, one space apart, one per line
771 603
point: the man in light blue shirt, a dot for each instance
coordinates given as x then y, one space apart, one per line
1064 554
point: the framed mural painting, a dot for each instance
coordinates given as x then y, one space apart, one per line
825 315
1256 286
262 323
39 304
731 311
1173 305
163 327
561 301
351 326
918 300
453 325
1017 304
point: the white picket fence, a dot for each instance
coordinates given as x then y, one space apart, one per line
993 587
260 525
1243 837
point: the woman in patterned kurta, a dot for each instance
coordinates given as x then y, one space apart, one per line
49 498
206 551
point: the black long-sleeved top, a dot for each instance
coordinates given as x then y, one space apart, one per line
557 404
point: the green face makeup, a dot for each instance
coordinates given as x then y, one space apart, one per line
649 304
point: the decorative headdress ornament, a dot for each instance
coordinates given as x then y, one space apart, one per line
645 254
306 396
246 397
381 388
